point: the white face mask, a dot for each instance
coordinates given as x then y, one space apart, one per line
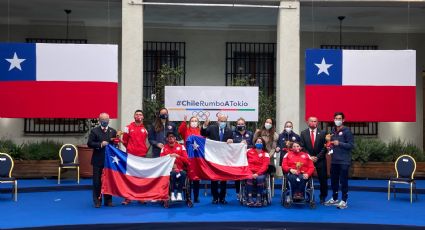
288 130
338 123
193 124
222 124
268 126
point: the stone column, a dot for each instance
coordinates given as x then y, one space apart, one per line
288 65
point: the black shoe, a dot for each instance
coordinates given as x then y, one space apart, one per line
97 205
215 202
196 200
109 204
223 201
322 200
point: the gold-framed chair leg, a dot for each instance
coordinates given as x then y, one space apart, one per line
59 175
411 194
16 191
78 174
389 189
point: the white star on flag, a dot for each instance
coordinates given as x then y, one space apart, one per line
195 146
115 159
15 62
323 67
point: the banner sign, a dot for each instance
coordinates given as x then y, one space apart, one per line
210 101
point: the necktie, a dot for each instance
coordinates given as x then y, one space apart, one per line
221 134
312 137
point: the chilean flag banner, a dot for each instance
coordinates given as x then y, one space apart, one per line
213 160
367 85
58 80
136 178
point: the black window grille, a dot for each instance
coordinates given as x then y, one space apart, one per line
157 54
57 125
357 128
252 64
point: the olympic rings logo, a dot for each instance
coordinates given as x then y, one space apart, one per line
201 115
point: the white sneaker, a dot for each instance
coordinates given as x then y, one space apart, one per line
173 197
331 202
179 196
342 205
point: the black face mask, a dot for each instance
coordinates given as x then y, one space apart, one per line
163 116
241 127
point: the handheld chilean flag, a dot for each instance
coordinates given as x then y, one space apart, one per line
136 178
367 85
58 80
213 160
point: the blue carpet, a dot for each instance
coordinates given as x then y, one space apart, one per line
75 207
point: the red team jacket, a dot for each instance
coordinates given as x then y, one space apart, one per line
134 139
185 132
257 162
290 162
182 162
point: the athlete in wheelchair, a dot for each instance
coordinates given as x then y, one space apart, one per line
257 188
297 186
179 188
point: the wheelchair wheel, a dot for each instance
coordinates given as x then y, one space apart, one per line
269 190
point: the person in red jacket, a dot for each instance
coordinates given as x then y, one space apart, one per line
135 135
180 168
185 130
134 139
299 167
258 161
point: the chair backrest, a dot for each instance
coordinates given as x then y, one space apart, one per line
6 165
405 166
68 153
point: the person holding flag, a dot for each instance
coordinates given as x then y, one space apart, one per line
219 132
185 130
180 168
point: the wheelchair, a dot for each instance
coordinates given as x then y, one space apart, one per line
266 197
287 197
186 195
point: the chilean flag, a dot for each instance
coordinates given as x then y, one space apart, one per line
367 85
58 80
136 178
213 160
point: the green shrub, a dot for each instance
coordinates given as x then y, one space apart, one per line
398 147
370 149
43 150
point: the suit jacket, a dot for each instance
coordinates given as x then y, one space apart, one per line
212 132
95 139
318 150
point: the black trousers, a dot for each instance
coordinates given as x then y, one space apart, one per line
214 190
97 186
322 174
195 187
339 175
237 186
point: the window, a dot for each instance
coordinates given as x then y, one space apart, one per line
156 54
251 64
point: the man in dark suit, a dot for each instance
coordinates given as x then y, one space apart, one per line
313 141
218 132
99 138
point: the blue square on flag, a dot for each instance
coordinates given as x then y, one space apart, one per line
17 62
323 67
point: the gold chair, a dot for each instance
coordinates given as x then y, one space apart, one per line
6 168
68 155
405 167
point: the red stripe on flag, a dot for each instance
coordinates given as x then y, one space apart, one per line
39 99
134 188
362 103
200 169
